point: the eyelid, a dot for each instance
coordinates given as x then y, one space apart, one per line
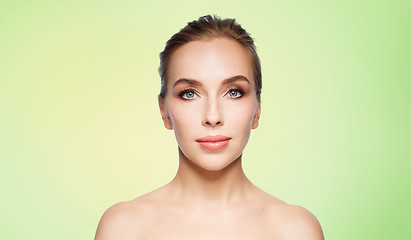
181 93
238 89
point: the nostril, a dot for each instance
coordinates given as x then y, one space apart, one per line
208 123
212 115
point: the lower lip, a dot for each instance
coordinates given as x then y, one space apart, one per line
214 145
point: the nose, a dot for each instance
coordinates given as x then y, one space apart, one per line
212 116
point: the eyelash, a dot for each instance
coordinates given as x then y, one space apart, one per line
182 93
240 91
190 90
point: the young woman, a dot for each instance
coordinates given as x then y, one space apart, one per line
210 96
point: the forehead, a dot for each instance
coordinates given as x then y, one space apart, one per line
210 61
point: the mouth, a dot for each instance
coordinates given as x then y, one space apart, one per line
213 142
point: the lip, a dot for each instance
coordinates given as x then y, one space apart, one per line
213 142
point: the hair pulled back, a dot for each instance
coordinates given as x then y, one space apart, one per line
206 28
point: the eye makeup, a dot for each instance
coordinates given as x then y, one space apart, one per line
231 88
235 93
188 94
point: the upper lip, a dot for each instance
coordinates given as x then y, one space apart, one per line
216 138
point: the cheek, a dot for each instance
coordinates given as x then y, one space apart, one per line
240 116
184 117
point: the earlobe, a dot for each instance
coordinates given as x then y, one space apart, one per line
164 113
256 117
167 123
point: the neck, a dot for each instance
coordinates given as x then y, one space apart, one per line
198 185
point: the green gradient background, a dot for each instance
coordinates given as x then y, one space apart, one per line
80 128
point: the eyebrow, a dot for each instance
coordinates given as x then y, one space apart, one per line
188 81
197 83
235 78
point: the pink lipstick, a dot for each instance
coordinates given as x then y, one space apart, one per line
213 142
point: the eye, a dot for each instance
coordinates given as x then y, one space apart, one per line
188 94
234 93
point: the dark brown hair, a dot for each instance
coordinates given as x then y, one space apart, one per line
205 28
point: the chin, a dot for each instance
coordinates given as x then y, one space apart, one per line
213 166
212 162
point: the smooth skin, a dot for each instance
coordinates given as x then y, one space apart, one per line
211 91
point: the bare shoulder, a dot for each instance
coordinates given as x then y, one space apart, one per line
293 222
124 220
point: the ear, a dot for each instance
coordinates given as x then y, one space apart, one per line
257 116
164 113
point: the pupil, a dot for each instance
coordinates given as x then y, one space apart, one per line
233 93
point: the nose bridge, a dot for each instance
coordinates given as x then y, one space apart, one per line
213 114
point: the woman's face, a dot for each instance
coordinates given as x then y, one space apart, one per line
211 101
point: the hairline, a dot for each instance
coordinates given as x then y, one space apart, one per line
207 38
